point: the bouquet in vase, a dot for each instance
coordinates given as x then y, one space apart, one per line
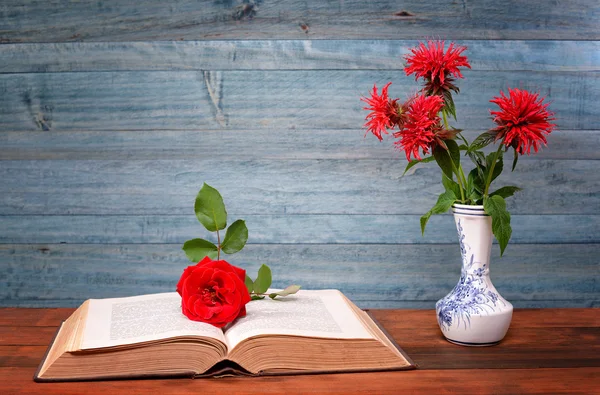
420 126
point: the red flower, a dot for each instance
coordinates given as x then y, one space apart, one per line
213 292
436 66
421 128
384 112
523 120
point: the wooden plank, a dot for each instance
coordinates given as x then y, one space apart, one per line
285 229
336 186
293 19
501 55
258 99
21 356
522 318
26 335
374 275
33 317
284 144
526 345
521 349
481 381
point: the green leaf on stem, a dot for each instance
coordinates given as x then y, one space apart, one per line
477 157
474 186
197 249
417 161
249 284
235 238
256 297
505 192
444 160
495 206
289 290
449 106
443 204
515 159
454 152
497 167
210 209
483 140
263 281
450 185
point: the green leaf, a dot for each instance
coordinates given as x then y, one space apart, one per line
449 106
197 249
497 168
443 204
505 192
289 290
483 140
463 147
495 206
263 281
454 152
450 185
515 159
416 161
249 284
478 158
235 238
474 186
444 161
424 220
210 209
256 297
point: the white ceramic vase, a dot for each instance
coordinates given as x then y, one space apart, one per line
474 313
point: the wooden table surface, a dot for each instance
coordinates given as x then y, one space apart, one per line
546 351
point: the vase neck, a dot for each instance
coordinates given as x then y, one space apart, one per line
475 240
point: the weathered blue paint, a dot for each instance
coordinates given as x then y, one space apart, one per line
114 20
484 55
374 275
260 99
299 186
279 144
109 123
286 229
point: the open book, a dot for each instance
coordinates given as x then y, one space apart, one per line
142 336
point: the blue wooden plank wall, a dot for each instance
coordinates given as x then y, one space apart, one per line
113 113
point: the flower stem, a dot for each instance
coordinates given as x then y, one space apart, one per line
462 173
460 182
491 172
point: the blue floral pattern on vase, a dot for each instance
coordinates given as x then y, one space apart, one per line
470 296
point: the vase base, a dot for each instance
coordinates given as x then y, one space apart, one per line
473 344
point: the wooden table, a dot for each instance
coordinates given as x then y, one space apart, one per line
545 351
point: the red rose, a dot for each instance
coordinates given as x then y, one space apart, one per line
213 292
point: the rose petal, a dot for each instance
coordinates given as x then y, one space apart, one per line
224 279
188 270
204 262
197 281
206 312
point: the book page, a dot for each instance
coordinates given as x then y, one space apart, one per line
322 313
136 319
